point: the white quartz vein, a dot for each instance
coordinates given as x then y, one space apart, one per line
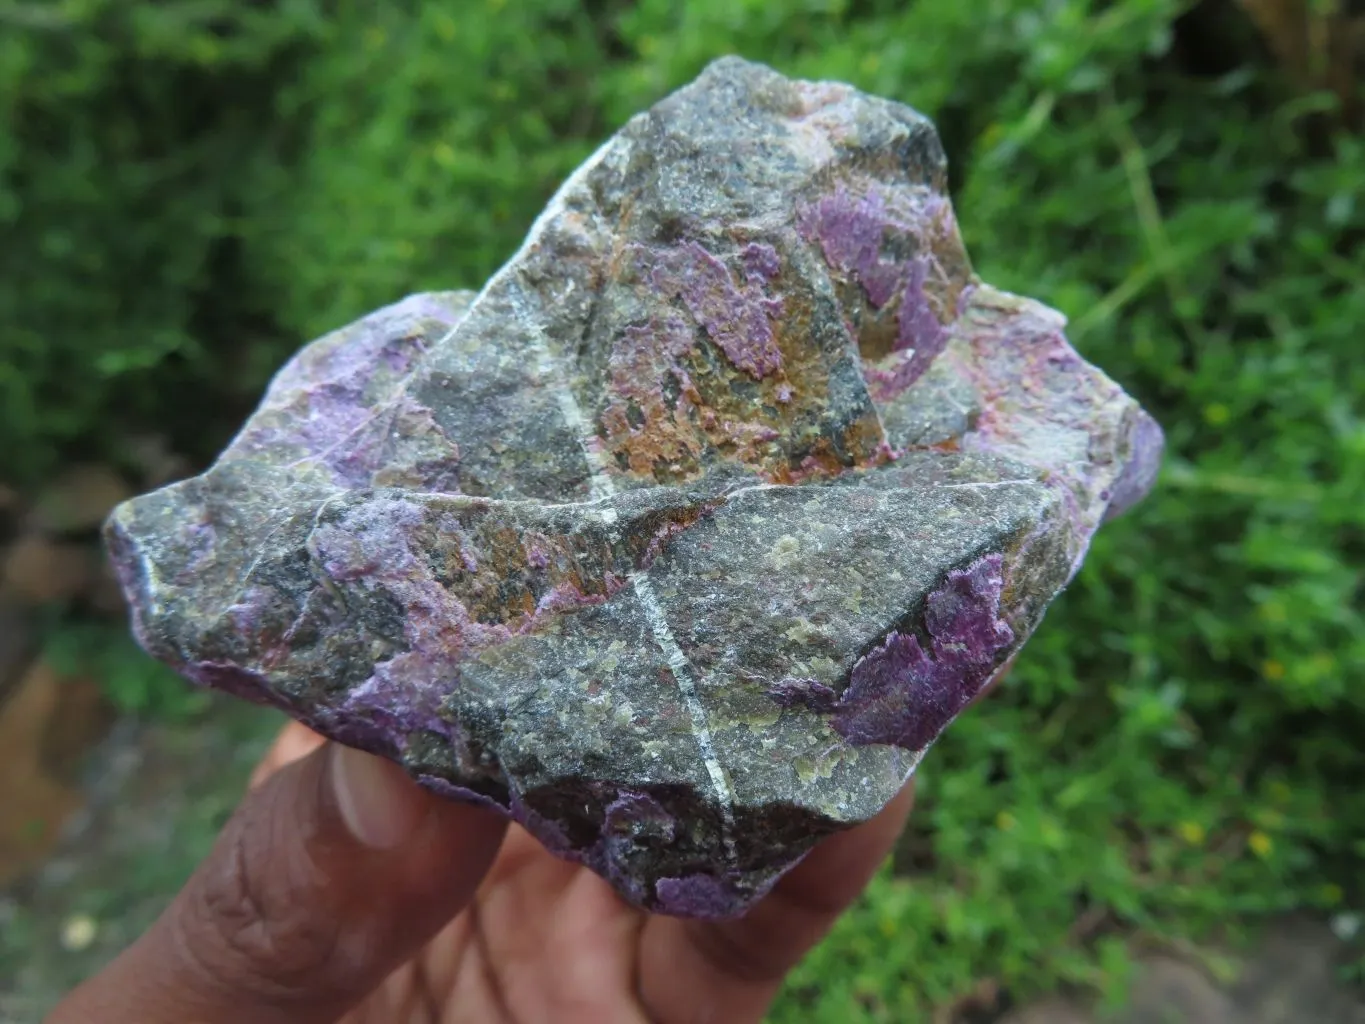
603 486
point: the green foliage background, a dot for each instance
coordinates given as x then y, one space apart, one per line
190 189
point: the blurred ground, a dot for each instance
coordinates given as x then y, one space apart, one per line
153 799
1287 979
102 814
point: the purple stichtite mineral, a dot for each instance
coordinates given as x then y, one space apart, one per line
683 539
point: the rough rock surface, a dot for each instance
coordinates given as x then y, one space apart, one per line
684 538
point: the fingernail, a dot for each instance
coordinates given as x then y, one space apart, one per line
380 805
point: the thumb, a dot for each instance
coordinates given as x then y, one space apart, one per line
330 875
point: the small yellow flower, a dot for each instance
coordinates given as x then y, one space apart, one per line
1004 821
1260 843
1216 414
887 927
78 932
1192 832
1272 669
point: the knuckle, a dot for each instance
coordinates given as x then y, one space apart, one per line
255 925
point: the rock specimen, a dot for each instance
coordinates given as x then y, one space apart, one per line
684 538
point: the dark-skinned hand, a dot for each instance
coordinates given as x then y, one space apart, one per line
342 891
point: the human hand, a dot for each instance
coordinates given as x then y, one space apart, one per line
342 891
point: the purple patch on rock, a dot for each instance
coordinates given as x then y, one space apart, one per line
469 556
401 352
445 788
254 616
440 476
917 326
396 705
850 233
901 695
761 262
536 555
701 896
634 812
376 546
391 337
567 596
808 693
643 358
920 339
199 540
238 681
1144 463
331 403
358 454
738 318
660 540
671 528
361 733
549 833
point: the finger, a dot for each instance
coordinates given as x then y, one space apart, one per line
332 873
703 971
294 742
